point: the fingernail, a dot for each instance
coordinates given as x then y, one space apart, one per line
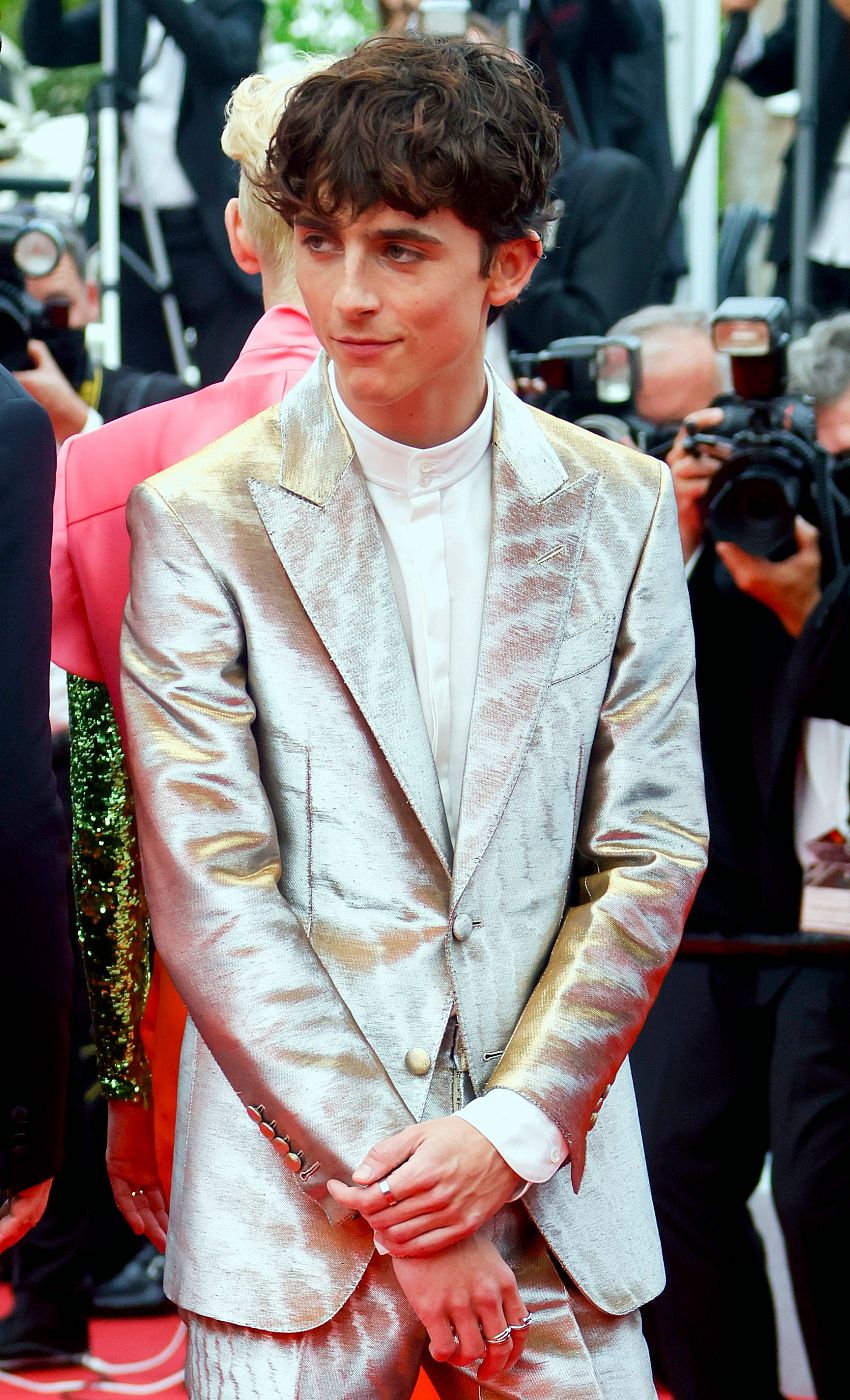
362 1174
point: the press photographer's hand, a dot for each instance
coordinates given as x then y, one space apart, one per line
694 468
791 588
49 387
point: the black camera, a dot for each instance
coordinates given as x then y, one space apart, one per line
580 375
775 470
32 247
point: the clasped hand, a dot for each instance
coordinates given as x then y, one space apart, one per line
446 1179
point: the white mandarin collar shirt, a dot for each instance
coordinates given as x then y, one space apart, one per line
434 510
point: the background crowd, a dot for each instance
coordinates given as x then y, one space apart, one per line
746 1055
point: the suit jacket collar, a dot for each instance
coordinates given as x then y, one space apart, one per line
321 522
541 508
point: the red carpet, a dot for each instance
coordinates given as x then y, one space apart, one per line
125 1340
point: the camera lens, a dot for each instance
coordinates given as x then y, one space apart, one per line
755 510
38 249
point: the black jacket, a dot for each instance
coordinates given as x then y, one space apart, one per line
599 268
639 124
756 686
34 943
126 390
585 36
775 73
220 40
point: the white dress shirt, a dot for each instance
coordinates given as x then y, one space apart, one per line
155 127
830 245
830 242
434 511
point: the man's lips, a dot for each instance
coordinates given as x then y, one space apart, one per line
355 345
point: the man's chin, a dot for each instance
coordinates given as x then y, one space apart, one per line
366 385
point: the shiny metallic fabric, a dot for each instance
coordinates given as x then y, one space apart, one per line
296 853
374 1347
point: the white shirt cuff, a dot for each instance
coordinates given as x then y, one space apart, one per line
522 1133
93 420
690 564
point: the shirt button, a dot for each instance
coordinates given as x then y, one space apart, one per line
462 927
555 1155
418 1062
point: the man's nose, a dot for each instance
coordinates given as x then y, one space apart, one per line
356 294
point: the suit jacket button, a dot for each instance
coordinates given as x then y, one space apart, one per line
293 1161
418 1061
462 927
256 1112
268 1130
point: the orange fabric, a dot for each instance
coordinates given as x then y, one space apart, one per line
90 574
424 1389
162 1035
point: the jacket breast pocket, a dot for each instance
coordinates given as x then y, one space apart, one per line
286 777
585 649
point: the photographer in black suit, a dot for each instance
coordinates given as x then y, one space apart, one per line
77 394
745 1055
591 274
34 947
181 62
770 69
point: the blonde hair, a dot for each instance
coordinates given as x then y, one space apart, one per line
252 115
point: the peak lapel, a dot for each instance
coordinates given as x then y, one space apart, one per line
321 523
541 508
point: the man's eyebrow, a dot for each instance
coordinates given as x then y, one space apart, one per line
313 221
410 232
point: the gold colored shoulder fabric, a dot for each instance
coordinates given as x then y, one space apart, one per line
112 922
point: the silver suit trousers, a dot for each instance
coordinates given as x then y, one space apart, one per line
373 1348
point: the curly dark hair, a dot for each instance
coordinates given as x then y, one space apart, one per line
418 124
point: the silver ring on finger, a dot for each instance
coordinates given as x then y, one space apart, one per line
522 1326
386 1191
499 1339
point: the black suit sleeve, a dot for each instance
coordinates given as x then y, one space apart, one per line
34 943
56 40
598 270
817 681
126 390
219 45
775 72
219 42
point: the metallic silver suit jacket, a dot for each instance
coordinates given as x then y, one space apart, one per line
302 884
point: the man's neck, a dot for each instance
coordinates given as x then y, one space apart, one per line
432 418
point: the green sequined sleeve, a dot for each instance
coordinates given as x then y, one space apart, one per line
112 921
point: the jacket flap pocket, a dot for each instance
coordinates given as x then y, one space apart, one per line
586 648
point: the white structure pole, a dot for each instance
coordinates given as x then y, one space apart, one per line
693 45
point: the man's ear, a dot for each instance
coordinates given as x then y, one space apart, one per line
240 244
512 265
92 302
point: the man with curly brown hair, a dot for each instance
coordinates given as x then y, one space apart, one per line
408 681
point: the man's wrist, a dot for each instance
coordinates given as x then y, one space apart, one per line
523 1135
